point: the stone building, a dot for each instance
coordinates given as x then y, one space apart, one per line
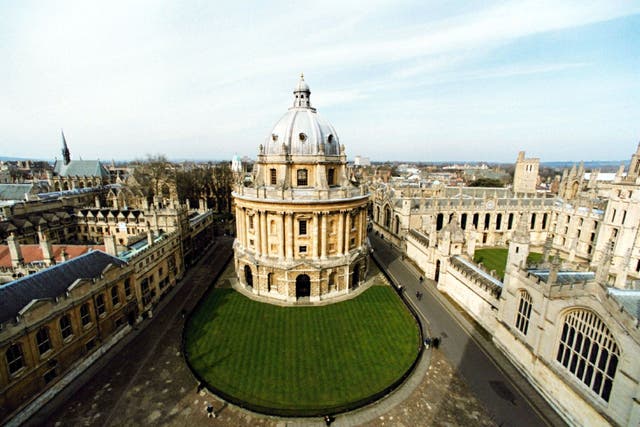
75 174
570 323
301 224
52 321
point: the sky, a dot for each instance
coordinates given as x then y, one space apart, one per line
399 80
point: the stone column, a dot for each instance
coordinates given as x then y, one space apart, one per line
340 233
324 236
347 234
247 228
257 232
315 237
288 234
263 233
282 237
360 221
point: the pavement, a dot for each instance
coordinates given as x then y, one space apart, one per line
145 380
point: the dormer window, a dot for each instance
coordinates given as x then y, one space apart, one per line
303 137
330 139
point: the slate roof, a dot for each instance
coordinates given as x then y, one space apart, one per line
565 277
628 298
51 282
14 191
81 168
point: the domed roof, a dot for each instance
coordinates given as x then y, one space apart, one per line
302 131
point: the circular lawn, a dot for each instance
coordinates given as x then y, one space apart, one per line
301 360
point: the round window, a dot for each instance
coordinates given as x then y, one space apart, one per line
303 137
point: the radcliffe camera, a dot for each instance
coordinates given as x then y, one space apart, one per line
305 214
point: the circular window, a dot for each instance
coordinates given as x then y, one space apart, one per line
303 137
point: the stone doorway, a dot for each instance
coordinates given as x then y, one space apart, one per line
303 286
248 276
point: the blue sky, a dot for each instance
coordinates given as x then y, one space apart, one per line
399 80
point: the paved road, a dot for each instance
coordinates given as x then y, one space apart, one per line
510 399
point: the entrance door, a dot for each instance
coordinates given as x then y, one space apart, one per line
303 286
248 276
355 277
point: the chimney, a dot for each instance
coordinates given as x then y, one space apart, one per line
110 244
45 247
14 250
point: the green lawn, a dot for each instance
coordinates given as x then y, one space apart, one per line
302 358
496 259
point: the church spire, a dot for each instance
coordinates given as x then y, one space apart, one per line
302 94
66 154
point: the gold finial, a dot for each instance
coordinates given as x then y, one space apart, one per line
301 76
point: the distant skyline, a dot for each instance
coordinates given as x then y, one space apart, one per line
399 80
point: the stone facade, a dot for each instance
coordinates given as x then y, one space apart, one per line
302 224
569 324
525 177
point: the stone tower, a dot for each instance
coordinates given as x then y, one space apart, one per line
525 177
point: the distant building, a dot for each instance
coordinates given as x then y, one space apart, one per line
70 174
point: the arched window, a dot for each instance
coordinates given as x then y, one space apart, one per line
331 176
498 221
66 329
588 350
544 221
100 306
15 358
510 222
533 221
396 225
439 221
387 217
463 221
524 312
42 341
302 177
269 281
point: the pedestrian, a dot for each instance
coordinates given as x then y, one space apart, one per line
427 342
328 419
421 279
210 412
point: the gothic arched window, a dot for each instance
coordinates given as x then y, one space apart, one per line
524 312
588 350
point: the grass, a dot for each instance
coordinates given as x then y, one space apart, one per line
301 358
496 259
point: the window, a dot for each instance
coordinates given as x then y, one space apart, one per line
274 176
533 222
302 227
331 176
66 329
487 221
302 137
100 304
251 222
303 249
524 312
115 297
42 341
588 350
15 358
510 222
127 287
49 375
302 177
85 314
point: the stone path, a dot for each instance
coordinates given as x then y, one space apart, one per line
148 383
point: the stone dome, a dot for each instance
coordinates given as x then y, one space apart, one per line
301 130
